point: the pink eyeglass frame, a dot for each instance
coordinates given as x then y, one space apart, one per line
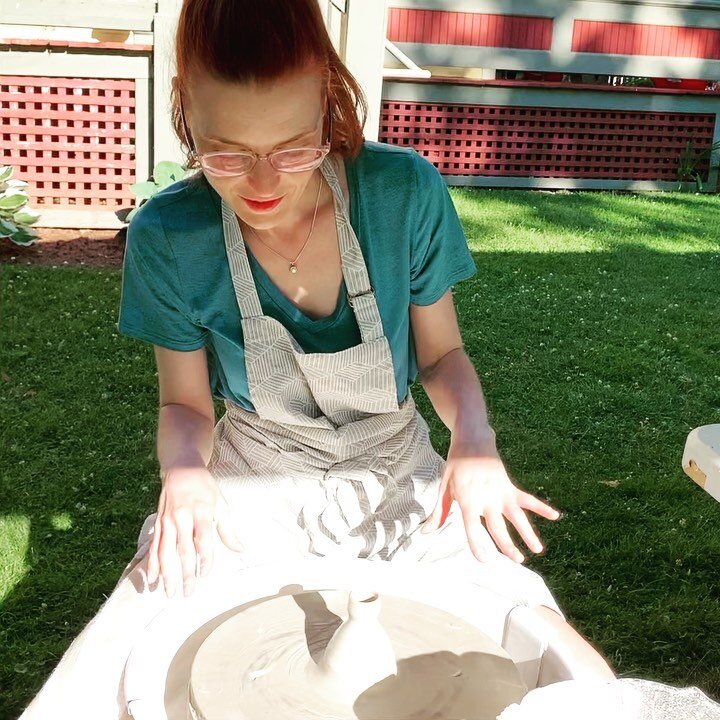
325 149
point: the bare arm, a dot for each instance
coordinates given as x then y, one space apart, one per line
448 376
187 414
190 499
474 475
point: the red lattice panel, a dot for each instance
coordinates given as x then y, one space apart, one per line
468 28
516 141
72 140
594 36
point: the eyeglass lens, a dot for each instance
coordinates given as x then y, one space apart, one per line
296 160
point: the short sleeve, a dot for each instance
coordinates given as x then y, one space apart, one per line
440 256
151 303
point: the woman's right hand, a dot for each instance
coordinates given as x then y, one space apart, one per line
190 505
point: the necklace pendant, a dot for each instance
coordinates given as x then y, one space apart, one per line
293 267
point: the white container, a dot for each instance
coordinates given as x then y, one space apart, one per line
701 458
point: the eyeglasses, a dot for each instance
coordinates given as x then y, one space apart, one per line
232 164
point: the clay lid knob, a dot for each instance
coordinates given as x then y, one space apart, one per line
364 605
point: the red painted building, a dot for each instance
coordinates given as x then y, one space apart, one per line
524 93
555 93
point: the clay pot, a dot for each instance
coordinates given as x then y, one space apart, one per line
360 653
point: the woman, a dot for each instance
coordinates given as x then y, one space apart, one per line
303 276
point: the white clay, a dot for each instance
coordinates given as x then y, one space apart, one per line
268 661
360 653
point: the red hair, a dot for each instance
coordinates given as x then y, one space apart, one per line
263 40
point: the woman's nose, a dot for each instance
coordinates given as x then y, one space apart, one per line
263 178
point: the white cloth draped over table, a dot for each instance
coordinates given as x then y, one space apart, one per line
622 699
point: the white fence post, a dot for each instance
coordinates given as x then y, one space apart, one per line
165 144
365 54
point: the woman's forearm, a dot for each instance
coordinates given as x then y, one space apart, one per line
453 387
184 439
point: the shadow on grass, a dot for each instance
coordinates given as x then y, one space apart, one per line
595 367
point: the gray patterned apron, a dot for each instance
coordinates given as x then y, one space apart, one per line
330 461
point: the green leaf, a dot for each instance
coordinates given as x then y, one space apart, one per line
24 236
144 190
13 199
167 172
6 172
7 227
26 216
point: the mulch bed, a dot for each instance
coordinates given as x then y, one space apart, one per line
68 247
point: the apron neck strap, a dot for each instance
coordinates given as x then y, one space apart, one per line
360 293
240 272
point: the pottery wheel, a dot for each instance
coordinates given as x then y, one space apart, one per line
260 662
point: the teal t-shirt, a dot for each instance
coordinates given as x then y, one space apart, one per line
177 290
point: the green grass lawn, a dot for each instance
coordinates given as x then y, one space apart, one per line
593 323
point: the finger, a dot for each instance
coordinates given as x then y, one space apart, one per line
167 555
437 517
495 523
476 533
186 549
225 527
439 514
153 567
530 502
520 520
203 541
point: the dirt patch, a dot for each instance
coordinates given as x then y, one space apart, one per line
69 247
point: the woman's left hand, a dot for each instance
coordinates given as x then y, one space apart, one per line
481 486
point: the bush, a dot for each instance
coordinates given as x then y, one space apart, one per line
165 173
15 217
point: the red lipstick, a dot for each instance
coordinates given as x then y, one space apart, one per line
262 206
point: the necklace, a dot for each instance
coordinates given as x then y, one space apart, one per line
293 263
